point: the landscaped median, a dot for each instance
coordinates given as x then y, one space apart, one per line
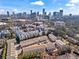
4 52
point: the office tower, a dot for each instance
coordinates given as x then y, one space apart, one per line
70 14
49 15
19 15
43 11
13 14
54 14
44 14
61 13
31 11
34 14
58 14
24 13
37 13
8 13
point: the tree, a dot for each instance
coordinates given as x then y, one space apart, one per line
17 39
32 55
60 32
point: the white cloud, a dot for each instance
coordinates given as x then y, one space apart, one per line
60 8
37 3
74 1
2 11
73 6
70 5
14 10
71 10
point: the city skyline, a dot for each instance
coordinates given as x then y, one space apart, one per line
69 6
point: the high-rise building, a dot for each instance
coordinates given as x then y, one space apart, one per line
44 14
8 13
13 14
31 11
43 11
37 13
61 13
24 13
19 15
58 14
54 14
49 15
70 14
33 15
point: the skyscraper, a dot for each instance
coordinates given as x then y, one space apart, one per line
24 13
70 14
54 14
8 13
43 11
37 13
49 15
61 13
58 14
13 14
31 11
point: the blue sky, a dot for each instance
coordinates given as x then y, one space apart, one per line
69 6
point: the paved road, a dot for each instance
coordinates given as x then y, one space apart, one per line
11 50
